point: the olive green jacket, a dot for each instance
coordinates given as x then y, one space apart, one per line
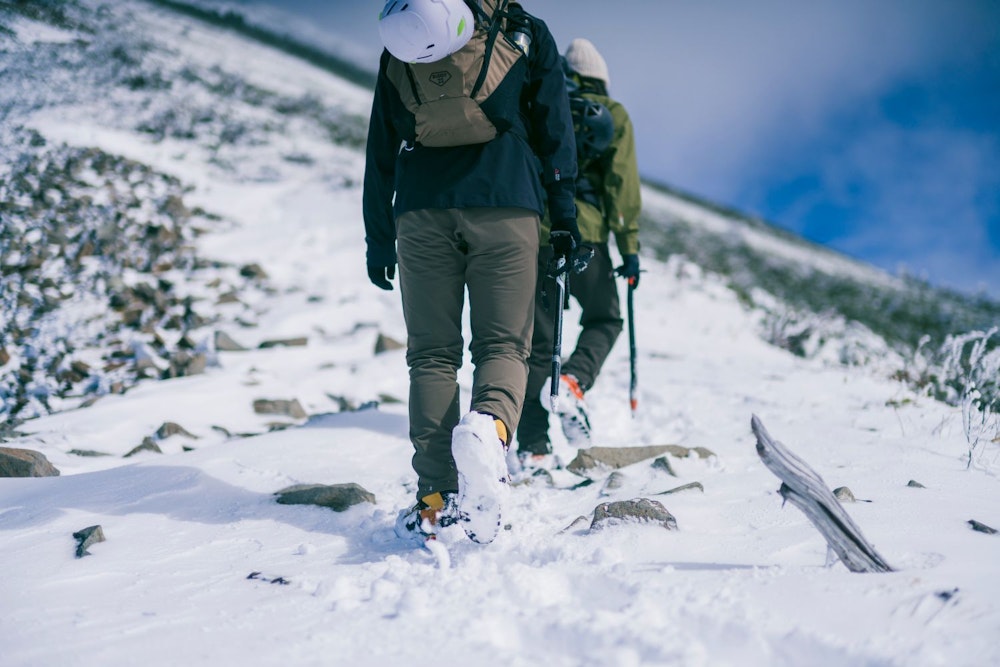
615 177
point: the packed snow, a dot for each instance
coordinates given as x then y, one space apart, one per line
201 565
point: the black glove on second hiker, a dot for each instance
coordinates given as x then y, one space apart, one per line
381 275
629 269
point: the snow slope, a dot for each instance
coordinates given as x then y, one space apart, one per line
741 582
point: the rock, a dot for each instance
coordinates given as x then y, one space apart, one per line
148 445
615 481
87 537
228 297
185 364
337 497
299 341
385 344
345 404
619 457
844 494
915 484
663 463
253 271
290 408
168 429
87 453
578 524
641 509
982 527
542 475
25 463
4 356
87 402
685 487
225 343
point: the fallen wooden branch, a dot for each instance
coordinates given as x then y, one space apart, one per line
804 488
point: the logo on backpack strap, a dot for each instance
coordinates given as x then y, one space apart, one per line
439 78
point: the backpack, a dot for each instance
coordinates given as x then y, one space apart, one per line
593 127
450 98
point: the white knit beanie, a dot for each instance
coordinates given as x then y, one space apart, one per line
583 58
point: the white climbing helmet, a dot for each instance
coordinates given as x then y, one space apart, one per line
423 31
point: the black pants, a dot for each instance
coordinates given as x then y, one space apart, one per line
597 293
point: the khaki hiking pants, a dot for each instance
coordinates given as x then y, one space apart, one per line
493 253
600 320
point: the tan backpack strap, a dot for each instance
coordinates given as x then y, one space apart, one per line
413 84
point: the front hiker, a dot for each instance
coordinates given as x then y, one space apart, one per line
608 200
470 99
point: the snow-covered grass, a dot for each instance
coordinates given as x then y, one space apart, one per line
741 582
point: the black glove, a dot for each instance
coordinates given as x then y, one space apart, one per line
563 246
557 239
629 269
381 275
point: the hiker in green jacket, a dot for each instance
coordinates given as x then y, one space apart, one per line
608 201
470 99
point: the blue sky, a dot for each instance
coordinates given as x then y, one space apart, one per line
870 127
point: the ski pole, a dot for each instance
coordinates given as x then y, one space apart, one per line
633 395
560 271
562 289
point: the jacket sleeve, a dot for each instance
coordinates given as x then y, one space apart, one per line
622 198
380 171
550 123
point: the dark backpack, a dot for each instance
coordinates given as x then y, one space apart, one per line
593 126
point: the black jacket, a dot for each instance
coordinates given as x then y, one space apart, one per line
507 171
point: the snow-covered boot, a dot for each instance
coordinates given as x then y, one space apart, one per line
571 410
422 521
478 445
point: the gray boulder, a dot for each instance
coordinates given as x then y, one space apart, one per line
338 497
148 445
662 463
386 344
982 527
619 457
168 429
298 341
226 343
86 537
641 510
844 494
290 408
615 481
25 463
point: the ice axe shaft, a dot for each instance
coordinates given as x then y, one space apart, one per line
633 393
